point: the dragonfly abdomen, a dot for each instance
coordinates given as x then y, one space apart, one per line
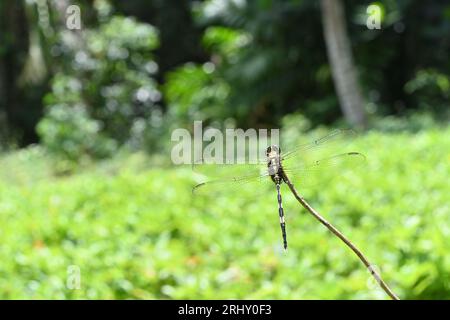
281 215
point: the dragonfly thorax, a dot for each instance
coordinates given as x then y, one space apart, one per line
274 161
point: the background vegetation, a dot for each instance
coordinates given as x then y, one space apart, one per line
85 174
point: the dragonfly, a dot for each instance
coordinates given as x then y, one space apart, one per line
307 163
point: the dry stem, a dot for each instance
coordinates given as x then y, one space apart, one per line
336 232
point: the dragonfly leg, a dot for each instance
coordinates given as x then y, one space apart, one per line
281 214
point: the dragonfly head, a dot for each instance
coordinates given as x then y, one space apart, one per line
273 151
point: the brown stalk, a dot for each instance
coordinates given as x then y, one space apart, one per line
344 239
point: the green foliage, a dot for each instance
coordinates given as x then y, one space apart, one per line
271 58
135 230
258 59
414 123
225 41
196 92
432 90
71 133
108 95
201 91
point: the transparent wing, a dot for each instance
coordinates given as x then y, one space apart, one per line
301 164
256 184
318 172
333 143
221 171
224 178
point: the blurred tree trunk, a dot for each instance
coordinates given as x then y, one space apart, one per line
13 52
341 61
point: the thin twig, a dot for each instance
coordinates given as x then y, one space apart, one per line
335 231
